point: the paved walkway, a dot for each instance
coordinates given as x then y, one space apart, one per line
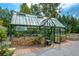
71 49
68 48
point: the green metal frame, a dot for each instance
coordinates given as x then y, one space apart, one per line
46 30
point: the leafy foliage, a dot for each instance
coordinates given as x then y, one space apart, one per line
4 48
5 16
1 22
3 33
49 9
24 8
35 9
5 51
71 23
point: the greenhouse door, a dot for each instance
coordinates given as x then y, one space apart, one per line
57 35
48 34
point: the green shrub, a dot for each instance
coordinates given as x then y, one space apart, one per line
6 51
3 33
19 34
9 52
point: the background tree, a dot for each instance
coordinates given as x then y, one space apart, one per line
77 26
34 9
70 22
24 8
49 9
5 16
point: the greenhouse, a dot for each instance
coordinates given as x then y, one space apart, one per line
23 25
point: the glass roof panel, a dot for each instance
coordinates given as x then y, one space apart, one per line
17 21
34 20
13 17
57 23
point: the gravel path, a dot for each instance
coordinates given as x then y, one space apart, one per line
69 50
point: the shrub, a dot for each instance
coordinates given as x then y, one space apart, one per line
3 33
9 52
6 51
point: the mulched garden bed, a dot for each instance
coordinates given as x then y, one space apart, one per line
23 41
